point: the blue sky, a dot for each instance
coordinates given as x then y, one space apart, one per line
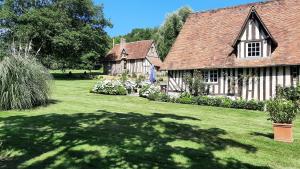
128 14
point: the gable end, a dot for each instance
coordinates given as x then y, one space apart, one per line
253 16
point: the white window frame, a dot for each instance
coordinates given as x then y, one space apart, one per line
210 76
254 49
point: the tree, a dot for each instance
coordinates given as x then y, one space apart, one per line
170 29
63 31
138 34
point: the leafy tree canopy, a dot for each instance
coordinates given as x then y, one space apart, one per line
170 29
65 32
138 34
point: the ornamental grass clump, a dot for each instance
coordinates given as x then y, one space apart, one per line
24 82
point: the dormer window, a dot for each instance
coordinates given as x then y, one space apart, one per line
254 39
254 49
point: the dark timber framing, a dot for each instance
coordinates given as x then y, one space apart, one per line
249 83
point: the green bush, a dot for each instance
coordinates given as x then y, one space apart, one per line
121 90
158 96
164 97
282 111
185 94
226 102
214 101
289 93
153 96
239 104
185 100
24 82
255 105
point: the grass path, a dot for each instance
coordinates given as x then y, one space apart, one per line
84 130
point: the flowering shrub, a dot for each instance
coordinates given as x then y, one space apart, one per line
130 86
110 87
147 90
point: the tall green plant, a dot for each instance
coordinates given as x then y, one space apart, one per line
170 29
24 82
195 83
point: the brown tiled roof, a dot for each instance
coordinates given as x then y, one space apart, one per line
155 61
135 50
206 39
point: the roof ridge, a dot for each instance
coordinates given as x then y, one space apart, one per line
236 6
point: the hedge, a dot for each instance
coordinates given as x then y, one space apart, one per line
211 101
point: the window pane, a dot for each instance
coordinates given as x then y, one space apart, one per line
213 76
206 76
254 49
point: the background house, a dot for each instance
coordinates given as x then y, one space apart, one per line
244 51
134 57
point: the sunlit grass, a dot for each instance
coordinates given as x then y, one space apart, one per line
84 130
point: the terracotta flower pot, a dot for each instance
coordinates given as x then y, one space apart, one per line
283 132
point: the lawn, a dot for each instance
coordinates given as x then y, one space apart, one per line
83 130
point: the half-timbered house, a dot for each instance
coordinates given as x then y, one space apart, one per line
244 51
134 57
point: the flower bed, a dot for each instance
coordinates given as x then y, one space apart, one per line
110 87
148 90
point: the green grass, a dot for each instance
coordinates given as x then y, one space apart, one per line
83 130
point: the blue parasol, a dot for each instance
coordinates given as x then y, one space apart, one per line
152 76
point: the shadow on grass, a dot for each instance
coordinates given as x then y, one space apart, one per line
53 101
115 140
267 135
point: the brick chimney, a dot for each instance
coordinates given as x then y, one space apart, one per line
122 43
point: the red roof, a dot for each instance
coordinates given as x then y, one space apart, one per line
134 50
206 38
155 61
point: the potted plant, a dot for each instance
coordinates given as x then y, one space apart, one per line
282 113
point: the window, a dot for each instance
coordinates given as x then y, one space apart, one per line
211 76
254 49
294 72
